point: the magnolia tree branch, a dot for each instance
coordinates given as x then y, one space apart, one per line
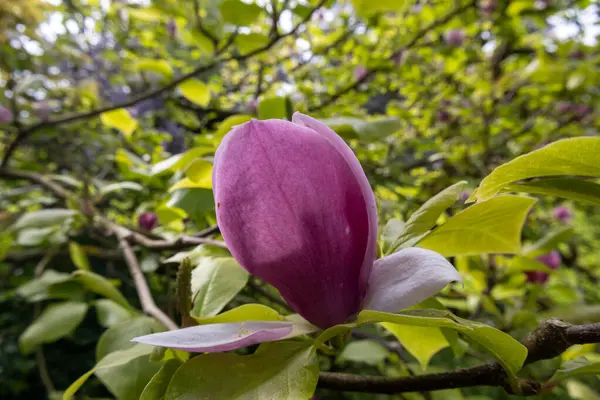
141 286
24 133
549 340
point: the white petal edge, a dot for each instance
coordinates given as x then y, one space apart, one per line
406 278
219 337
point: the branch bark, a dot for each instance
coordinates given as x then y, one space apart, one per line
141 286
549 340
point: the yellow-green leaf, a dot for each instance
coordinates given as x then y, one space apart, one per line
195 91
120 119
422 342
78 256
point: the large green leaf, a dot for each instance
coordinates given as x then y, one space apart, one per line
119 336
57 320
196 202
123 371
246 312
283 370
159 67
215 281
157 387
508 351
574 156
493 226
44 218
102 286
568 188
425 218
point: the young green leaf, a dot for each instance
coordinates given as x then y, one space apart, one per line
102 286
195 91
574 156
120 119
493 226
79 257
578 190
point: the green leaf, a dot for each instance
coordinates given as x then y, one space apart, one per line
159 67
579 366
37 289
493 226
120 371
246 312
119 336
127 372
57 320
79 257
228 123
366 8
195 91
110 313
549 242
567 188
274 107
120 186
376 129
44 218
363 351
200 172
157 387
215 282
102 286
425 218
249 42
178 162
421 342
239 13
196 202
282 370
574 156
508 351
120 119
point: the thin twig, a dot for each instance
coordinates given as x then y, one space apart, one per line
141 286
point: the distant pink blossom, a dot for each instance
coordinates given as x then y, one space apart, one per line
562 214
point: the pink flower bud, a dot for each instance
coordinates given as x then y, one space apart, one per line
539 277
563 106
562 214
148 221
455 37
552 259
443 116
488 6
577 54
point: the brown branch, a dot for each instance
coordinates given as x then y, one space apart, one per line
23 134
141 286
549 340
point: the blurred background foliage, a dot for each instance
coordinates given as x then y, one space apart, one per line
426 92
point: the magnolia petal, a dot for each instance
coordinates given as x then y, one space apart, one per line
361 177
406 278
219 337
293 213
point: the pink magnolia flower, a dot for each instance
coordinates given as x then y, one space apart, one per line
562 214
296 210
148 221
552 261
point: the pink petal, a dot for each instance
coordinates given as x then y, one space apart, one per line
365 186
406 278
293 212
219 337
